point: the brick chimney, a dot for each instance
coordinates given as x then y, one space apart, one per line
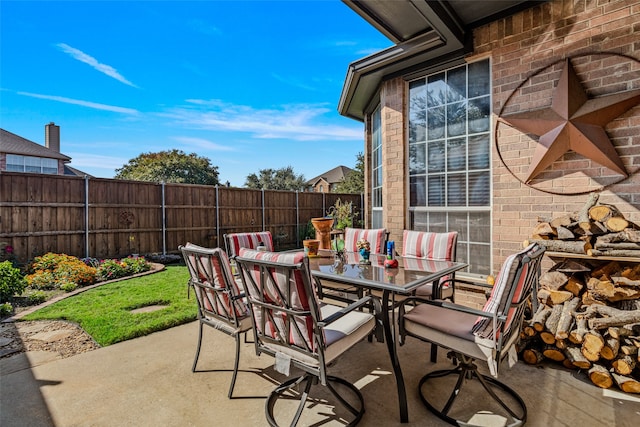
52 137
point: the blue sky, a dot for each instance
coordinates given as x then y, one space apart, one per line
250 85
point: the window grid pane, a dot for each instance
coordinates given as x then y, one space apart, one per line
376 161
457 174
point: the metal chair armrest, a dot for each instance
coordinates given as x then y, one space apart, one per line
357 304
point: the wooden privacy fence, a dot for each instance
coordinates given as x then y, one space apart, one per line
108 218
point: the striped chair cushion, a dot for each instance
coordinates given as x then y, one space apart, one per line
235 241
506 279
376 237
421 244
294 296
213 269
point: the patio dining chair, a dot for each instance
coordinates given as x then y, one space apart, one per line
220 302
234 241
377 239
488 335
439 246
290 324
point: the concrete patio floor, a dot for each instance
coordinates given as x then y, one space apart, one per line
148 382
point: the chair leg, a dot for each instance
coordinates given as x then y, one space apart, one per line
309 380
235 367
195 361
467 371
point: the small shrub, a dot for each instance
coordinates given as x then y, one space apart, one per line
41 279
36 297
5 309
68 286
11 281
133 265
52 270
110 269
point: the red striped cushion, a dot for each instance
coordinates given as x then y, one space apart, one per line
235 241
297 299
421 244
211 268
499 299
376 238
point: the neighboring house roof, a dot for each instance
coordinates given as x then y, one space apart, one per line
13 144
68 170
333 176
437 32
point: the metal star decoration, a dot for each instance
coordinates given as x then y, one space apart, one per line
574 122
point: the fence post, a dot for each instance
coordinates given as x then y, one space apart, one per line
297 221
263 210
86 216
164 223
218 215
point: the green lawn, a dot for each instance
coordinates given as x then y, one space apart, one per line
105 312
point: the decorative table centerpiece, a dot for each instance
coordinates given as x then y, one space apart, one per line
365 250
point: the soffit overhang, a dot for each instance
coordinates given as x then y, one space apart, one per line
424 32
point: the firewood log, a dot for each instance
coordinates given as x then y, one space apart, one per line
553 353
583 214
626 235
576 357
591 346
616 246
616 223
553 280
621 280
576 336
599 375
540 316
589 299
626 384
602 212
551 325
561 221
602 290
575 247
566 318
543 229
553 298
563 233
614 317
574 285
613 252
624 365
628 349
606 270
631 273
611 347
532 356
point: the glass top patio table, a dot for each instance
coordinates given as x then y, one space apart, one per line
409 275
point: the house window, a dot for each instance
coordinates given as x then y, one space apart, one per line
449 159
376 170
16 163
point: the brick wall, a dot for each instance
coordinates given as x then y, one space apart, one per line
521 45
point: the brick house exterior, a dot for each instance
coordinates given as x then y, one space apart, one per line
326 182
602 40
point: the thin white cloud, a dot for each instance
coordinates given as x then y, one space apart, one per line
87 104
201 143
303 122
81 160
292 82
90 60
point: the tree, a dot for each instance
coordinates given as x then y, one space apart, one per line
170 166
276 179
353 183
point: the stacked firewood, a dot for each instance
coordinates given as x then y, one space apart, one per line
588 315
595 230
